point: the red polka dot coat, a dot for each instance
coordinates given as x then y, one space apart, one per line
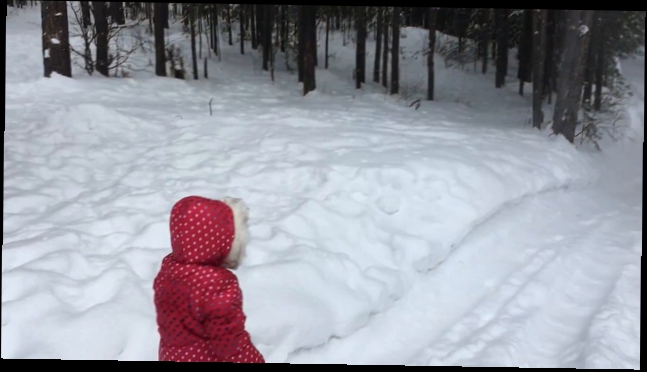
198 303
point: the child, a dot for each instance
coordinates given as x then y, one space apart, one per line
198 301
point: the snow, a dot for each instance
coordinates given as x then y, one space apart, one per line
448 235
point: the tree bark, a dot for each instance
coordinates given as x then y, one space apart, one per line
310 40
55 38
253 20
385 52
85 12
160 52
266 33
192 30
589 75
100 11
501 16
395 52
360 51
525 53
117 13
283 28
378 45
431 22
241 17
571 75
539 57
301 32
327 38
485 38
231 37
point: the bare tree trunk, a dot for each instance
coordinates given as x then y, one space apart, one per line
284 29
502 46
301 32
360 54
100 11
199 20
117 13
216 38
433 14
252 15
378 44
485 38
601 66
589 75
231 38
327 37
85 11
539 57
192 30
395 52
241 17
385 52
571 75
310 39
56 39
160 56
266 13
525 51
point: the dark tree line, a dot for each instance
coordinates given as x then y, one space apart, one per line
567 55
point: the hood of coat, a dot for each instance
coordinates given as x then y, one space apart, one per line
202 231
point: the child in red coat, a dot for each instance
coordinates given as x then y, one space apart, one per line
198 300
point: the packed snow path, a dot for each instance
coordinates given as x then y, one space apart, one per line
553 281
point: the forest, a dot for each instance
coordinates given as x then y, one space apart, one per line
568 56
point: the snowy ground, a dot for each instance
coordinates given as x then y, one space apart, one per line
448 235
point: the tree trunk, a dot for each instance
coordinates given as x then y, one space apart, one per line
485 38
56 38
549 60
192 30
266 12
214 30
395 51
501 16
117 13
378 44
525 51
199 20
100 11
539 57
252 16
85 11
283 28
259 8
601 66
431 22
160 52
310 40
231 37
589 75
385 52
360 50
301 31
327 37
241 17
571 75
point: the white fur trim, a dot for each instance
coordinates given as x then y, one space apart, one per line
241 232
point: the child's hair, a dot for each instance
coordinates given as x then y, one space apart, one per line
241 232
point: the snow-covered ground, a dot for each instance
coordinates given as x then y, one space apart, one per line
453 234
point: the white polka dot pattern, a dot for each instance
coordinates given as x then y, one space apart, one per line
198 303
